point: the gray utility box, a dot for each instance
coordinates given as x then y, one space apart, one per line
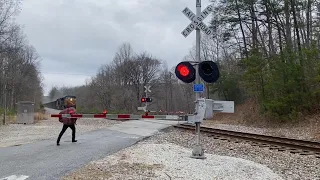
25 112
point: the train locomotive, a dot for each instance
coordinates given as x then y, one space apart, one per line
61 103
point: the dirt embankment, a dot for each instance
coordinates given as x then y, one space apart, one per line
248 119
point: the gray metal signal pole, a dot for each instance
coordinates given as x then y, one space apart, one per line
146 91
197 151
146 100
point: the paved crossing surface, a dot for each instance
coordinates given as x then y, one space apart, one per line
44 160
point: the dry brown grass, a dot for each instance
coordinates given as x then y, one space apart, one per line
247 114
116 171
10 119
38 116
41 116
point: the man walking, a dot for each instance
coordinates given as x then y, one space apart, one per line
68 122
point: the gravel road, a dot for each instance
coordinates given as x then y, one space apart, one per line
15 134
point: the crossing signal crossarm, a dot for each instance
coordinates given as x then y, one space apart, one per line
146 99
208 71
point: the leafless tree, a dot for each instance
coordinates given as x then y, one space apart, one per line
118 86
20 79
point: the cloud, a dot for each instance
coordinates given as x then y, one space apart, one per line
77 36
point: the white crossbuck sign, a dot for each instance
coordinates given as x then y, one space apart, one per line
147 89
197 21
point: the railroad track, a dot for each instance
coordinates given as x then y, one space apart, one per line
302 147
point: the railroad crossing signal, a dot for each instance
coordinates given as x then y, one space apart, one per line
208 71
146 99
196 21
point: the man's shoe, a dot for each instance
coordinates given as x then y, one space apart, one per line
74 140
58 144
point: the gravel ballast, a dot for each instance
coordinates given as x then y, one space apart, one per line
170 161
16 134
286 164
152 161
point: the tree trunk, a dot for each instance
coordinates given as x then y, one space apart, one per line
242 30
288 25
308 16
296 26
268 15
254 27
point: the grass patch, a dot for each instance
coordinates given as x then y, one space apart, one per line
38 116
11 118
91 171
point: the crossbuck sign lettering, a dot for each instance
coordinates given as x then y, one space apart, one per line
196 22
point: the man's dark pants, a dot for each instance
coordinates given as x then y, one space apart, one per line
64 128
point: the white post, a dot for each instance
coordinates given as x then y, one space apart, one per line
146 95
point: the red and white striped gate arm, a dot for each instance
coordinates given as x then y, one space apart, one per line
117 116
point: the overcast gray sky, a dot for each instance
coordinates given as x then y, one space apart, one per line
74 37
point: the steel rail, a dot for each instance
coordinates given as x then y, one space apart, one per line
292 144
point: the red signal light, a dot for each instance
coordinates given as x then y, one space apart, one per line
143 99
183 70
